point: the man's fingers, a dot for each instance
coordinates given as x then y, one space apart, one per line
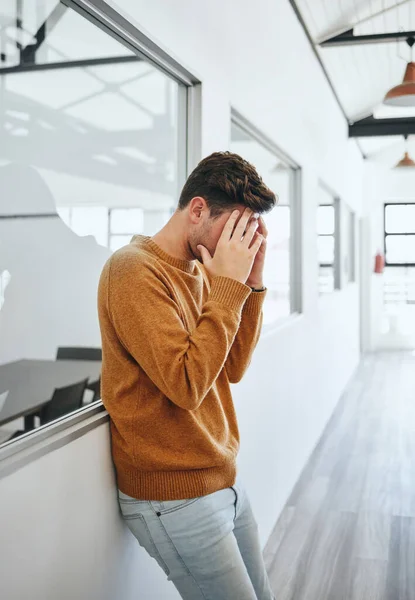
250 232
257 233
243 221
258 243
262 227
205 254
229 227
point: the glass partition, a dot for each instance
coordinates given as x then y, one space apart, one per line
281 268
90 154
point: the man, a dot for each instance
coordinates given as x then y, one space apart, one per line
175 333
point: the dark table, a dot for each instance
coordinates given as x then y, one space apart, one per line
31 384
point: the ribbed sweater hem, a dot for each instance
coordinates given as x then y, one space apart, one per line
255 302
175 485
229 291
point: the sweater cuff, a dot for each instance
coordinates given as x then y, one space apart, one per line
230 292
253 305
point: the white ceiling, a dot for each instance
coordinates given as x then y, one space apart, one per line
362 74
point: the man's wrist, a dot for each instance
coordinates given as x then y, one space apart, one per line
257 285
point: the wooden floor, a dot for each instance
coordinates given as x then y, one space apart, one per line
348 530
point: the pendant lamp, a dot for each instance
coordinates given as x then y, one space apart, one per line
406 161
404 93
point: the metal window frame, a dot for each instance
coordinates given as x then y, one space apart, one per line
295 204
337 206
105 17
35 444
20 452
352 246
385 234
117 26
331 235
238 119
338 244
330 265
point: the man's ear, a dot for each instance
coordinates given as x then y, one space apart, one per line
197 206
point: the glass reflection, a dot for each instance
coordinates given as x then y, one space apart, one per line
88 157
279 177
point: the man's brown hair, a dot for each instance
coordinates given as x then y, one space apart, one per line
225 180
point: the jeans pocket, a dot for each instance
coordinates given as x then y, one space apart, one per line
171 506
139 528
130 507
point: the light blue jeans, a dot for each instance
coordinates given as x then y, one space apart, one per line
208 547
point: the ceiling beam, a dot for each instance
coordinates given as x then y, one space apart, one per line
371 127
347 27
323 68
348 38
316 54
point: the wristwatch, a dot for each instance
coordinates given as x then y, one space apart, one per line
258 289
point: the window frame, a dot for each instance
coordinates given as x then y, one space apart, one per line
330 235
114 24
336 265
18 453
352 241
295 204
386 235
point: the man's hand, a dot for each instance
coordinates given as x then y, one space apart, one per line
255 278
235 251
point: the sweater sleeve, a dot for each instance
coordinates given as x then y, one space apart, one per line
148 323
246 339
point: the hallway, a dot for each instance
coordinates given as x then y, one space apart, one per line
348 529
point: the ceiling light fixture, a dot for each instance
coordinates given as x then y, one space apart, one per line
404 93
406 161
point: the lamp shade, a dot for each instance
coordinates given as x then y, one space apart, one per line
406 161
404 93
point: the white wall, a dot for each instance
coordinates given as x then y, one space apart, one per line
381 184
61 536
257 59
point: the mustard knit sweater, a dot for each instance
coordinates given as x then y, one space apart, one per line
172 340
